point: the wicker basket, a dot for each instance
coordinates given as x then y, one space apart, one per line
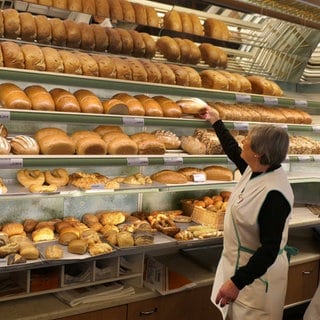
204 216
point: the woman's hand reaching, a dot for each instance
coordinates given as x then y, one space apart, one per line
209 114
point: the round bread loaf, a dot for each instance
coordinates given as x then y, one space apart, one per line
43 29
71 63
151 106
12 97
11 20
40 98
134 105
150 45
89 7
169 177
167 75
23 144
152 17
169 48
140 13
28 26
115 10
186 22
123 70
128 12
89 65
153 73
5 146
126 40
115 42
106 67
12 55
58 32
172 21
115 106
33 57
73 34
139 46
64 100
88 101
52 59
101 38
53 144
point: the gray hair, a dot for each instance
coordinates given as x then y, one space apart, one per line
271 142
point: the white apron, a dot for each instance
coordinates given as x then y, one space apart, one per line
313 310
264 298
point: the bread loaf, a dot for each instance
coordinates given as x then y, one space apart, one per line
53 252
115 10
245 84
216 29
87 41
42 234
64 100
28 26
102 129
89 65
260 85
88 101
172 21
181 75
148 144
128 12
122 145
23 144
151 106
102 9
52 59
169 48
195 54
90 145
79 135
150 45
152 17
137 70
123 70
210 54
106 67
169 107
186 22
196 24
12 55
101 39
167 75
189 172
115 106
71 63
212 79
168 138
191 105
58 32
5 146
61 4
11 20
78 246
140 13
41 133
233 82
184 50
192 145
218 173
33 57
89 7
115 42
74 5
12 97
1 26
139 46
194 79
43 29
126 41
73 34
153 72
134 105
169 177
54 145
40 98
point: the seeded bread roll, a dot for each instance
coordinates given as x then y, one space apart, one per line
71 63
89 65
73 33
64 100
12 27
52 59
88 101
140 13
106 67
33 57
12 55
58 32
12 97
115 10
150 45
169 48
101 39
28 26
172 21
115 43
126 41
134 105
151 106
153 72
40 98
128 11
167 74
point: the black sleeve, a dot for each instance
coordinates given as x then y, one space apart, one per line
229 145
271 220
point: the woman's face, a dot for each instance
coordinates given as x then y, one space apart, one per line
247 154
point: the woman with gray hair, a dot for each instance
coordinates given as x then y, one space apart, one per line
251 278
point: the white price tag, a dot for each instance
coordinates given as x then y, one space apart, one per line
173 161
199 177
4 116
283 125
79 17
8 163
138 161
106 23
301 103
270 101
316 128
316 157
243 98
133 121
241 126
304 158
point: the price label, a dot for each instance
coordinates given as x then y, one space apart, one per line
270 101
316 157
4 116
199 177
106 23
284 126
80 17
316 128
304 158
173 161
138 161
243 98
301 103
11 163
241 126
133 121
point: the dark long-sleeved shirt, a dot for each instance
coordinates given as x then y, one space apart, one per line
271 218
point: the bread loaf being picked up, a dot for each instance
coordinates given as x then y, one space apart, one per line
218 173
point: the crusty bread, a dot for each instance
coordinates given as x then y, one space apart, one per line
64 100
40 98
88 101
89 65
12 97
28 26
71 62
33 57
43 29
12 55
52 59
172 21
218 173
11 20
169 177
169 48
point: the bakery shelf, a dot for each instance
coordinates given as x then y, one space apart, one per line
69 80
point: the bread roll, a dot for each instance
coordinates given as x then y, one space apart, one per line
151 106
58 32
12 97
140 13
172 21
167 74
88 101
115 10
33 57
89 65
71 62
128 11
134 105
73 34
153 72
123 70
212 79
53 252
139 46
115 106
52 59
24 145
64 100
28 26
40 98
74 5
115 42
186 22
152 17
169 177
101 39
169 48
89 7
12 55
55 145
42 234
137 70
106 67
150 45
11 20
218 173
126 41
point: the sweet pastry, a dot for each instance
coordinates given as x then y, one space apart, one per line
28 177
58 177
125 239
99 248
91 145
23 144
42 234
13 228
112 217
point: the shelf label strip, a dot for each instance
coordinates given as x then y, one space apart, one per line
4 116
141 161
11 163
243 98
133 121
173 161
